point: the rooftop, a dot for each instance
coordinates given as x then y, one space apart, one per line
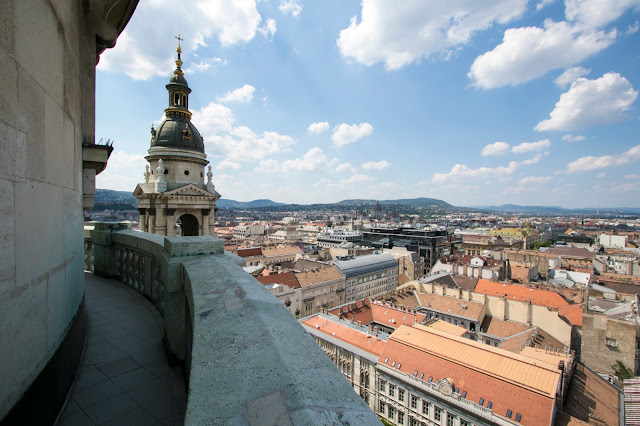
520 293
351 335
316 276
449 305
366 264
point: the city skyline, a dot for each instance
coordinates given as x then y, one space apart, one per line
531 103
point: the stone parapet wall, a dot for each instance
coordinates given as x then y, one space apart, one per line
248 360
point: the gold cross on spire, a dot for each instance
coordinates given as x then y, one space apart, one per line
179 40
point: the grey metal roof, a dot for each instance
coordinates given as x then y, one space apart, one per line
365 264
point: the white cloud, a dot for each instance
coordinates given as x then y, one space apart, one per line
601 175
591 103
632 176
268 29
348 133
530 52
138 54
400 33
633 28
570 75
317 128
314 159
345 167
532 180
461 172
497 148
204 65
228 165
597 13
589 163
371 165
291 7
531 146
242 95
213 118
543 3
573 138
124 170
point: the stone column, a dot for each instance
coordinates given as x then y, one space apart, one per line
205 222
152 221
169 223
143 219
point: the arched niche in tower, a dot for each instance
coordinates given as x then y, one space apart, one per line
188 225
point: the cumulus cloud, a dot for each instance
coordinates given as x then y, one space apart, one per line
570 75
632 176
214 118
125 170
543 3
312 160
532 180
348 133
633 28
531 146
496 148
573 138
400 33
530 52
589 163
345 167
371 165
228 165
204 65
597 13
268 29
317 128
590 103
138 55
290 7
242 95
462 172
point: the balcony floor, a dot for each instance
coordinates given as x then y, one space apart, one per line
125 378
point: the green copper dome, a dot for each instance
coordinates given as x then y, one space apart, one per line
177 132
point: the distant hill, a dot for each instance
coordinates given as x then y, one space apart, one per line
416 202
555 210
110 196
225 203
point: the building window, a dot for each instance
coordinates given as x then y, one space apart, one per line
518 417
382 407
425 408
414 402
400 417
413 422
392 413
383 385
450 419
464 422
611 342
437 413
401 395
392 390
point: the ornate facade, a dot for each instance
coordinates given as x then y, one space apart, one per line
174 200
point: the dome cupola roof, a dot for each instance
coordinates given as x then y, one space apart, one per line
177 131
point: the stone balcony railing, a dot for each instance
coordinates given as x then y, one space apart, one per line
247 360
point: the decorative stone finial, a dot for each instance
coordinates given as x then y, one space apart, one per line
146 174
161 183
210 186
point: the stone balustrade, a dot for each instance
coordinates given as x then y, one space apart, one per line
247 360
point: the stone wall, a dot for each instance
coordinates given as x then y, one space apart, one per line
47 62
41 278
606 340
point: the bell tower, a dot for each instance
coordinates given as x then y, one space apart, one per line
174 199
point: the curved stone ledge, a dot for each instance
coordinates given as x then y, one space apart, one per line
248 360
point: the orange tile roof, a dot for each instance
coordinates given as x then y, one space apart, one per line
318 275
390 317
347 334
573 313
280 251
286 278
510 381
250 252
449 305
499 328
444 326
520 293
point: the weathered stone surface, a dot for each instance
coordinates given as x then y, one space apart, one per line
58 145
13 158
262 358
56 308
73 223
9 94
6 25
24 319
38 41
39 224
31 104
192 246
7 237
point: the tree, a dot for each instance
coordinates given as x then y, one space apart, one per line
622 371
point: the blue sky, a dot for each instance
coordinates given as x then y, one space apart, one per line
475 103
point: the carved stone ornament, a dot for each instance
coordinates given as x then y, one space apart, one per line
444 387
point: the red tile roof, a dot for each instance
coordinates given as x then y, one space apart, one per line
510 381
250 252
287 278
347 334
520 293
573 313
383 314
